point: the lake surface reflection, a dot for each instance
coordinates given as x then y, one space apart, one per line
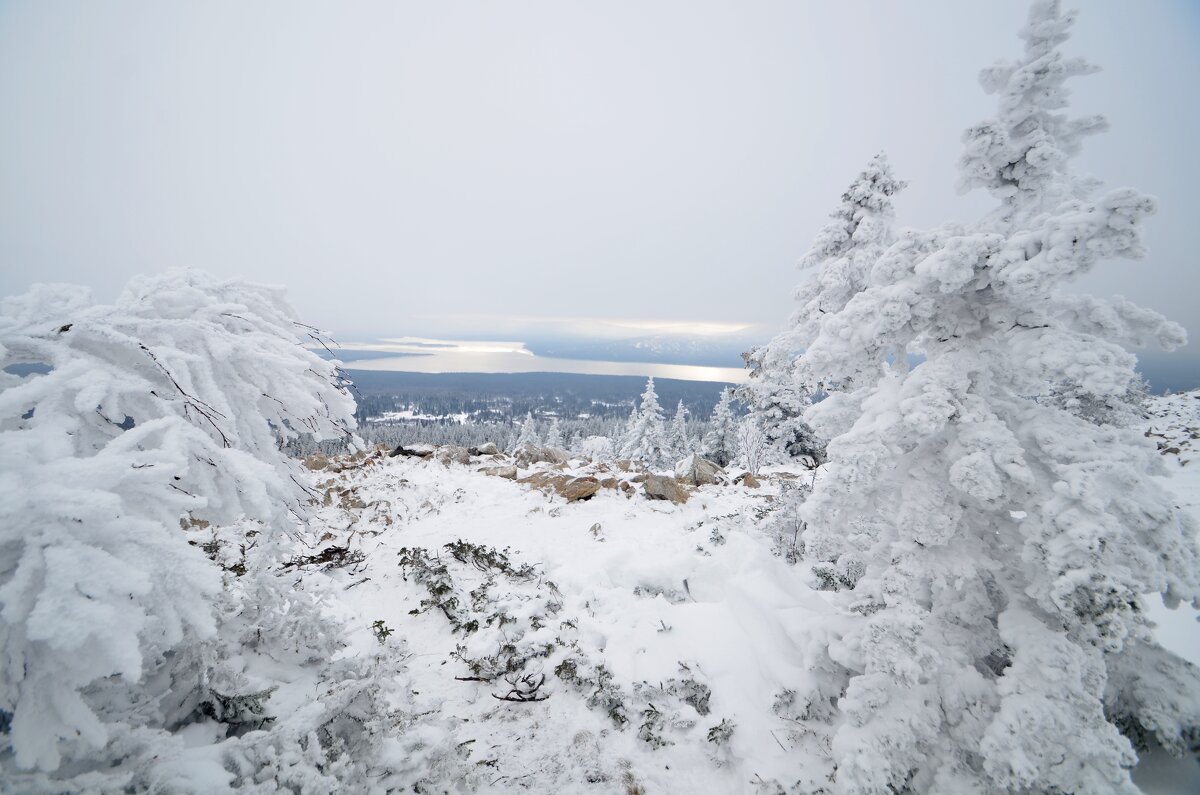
422 355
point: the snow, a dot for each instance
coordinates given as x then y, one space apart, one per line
654 589
658 591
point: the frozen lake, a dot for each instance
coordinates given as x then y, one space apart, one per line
423 355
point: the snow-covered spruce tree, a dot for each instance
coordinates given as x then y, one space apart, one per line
837 267
678 443
992 548
777 401
528 435
116 422
720 441
646 438
554 437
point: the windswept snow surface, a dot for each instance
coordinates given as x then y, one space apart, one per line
670 599
668 635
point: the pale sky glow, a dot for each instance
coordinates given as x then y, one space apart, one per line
399 165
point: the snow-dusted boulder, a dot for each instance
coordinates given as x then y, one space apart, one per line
531 454
452 454
507 472
748 480
565 486
696 470
664 487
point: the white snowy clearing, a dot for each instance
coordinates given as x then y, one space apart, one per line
657 644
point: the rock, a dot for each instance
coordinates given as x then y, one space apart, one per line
640 478
487 448
412 453
626 487
531 454
565 486
747 480
578 489
664 487
508 472
609 483
317 461
697 471
453 454
629 465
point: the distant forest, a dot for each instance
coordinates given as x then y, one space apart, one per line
500 397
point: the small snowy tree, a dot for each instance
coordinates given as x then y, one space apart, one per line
646 438
837 267
678 443
753 445
993 549
554 437
528 435
168 406
777 402
720 442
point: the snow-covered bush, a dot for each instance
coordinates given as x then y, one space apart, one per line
993 547
752 444
119 423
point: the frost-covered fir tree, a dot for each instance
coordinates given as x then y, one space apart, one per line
646 438
678 443
128 420
837 267
777 400
994 549
554 436
720 442
528 435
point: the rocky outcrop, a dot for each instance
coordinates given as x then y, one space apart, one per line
664 487
409 452
452 454
316 462
487 448
577 489
697 471
747 480
529 455
569 488
508 472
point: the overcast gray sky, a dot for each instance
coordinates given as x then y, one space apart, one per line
445 167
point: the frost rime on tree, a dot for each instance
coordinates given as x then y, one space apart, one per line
646 438
837 268
992 548
554 437
678 442
170 403
528 435
720 443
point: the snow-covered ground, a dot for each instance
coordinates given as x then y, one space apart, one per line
617 644
683 604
